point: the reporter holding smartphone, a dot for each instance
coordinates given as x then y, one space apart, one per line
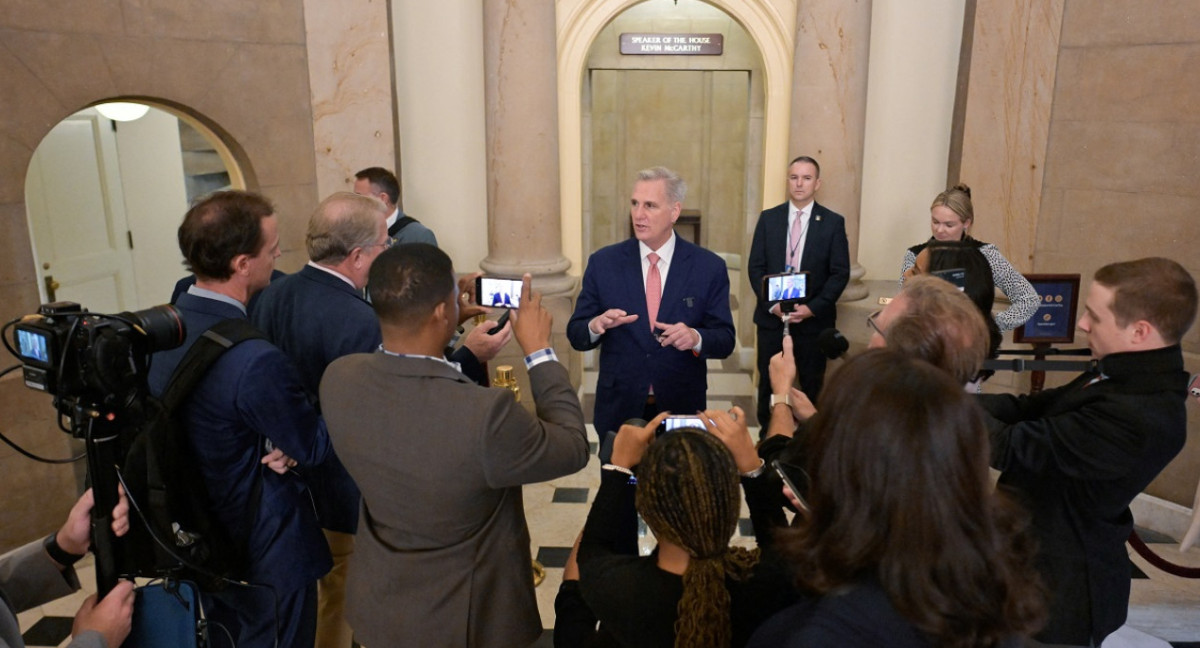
687 491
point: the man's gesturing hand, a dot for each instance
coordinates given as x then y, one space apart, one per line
611 318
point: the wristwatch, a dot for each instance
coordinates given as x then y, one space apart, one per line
57 553
781 399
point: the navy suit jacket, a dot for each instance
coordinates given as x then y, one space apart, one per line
316 318
631 359
251 393
826 258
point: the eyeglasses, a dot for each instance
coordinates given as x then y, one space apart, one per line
386 244
873 325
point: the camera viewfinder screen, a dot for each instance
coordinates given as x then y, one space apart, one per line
33 346
499 293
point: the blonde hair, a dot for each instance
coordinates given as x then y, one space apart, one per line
958 200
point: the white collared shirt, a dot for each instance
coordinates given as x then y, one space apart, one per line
797 217
664 259
313 264
391 220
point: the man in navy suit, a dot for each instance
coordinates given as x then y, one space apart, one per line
652 362
799 235
317 316
250 398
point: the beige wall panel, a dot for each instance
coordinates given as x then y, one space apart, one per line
1130 84
1130 22
273 21
1013 68
64 16
1138 157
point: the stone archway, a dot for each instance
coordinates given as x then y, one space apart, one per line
770 24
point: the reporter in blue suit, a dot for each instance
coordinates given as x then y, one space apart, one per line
250 395
693 323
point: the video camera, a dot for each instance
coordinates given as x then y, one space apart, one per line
92 360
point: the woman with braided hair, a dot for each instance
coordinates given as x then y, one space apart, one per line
695 590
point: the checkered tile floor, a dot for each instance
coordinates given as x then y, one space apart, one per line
1164 609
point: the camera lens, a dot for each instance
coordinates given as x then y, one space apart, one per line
162 324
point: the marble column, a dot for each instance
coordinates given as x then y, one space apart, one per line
829 107
440 122
521 92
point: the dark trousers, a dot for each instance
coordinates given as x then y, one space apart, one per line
810 368
252 617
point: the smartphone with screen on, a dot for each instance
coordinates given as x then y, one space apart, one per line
674 422
498 292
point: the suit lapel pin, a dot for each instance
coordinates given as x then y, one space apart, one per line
689 301
818 218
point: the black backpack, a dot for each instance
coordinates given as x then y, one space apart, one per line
165 482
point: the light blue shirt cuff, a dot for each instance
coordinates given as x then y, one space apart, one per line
538 357
699 341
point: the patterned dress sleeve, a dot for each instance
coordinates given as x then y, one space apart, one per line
910 260
1015 286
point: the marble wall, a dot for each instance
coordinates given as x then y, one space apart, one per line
350 82
240 68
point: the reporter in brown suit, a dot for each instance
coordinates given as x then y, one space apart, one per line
442 555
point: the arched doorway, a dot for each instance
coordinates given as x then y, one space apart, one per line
104 198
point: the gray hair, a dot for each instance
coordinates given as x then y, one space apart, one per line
676 187
342 222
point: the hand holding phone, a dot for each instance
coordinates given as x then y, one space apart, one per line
792 477
500 323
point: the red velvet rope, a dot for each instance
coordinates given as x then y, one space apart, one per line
1159 561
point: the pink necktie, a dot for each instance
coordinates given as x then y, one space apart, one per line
794 243
653 289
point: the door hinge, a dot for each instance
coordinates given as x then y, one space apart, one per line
129 235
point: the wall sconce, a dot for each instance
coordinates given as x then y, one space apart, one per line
122 111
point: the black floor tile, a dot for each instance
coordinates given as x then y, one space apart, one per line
48 631
570 496
553 556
